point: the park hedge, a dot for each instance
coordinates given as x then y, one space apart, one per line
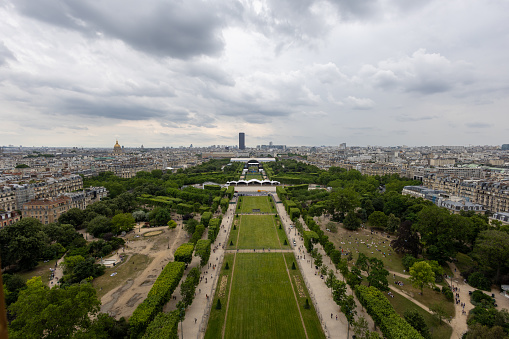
310 238
164 326
212 187
184 253
202 249
297 187
384 315
294 213
205 218
214 227
159 294
230 191
198 232
185 208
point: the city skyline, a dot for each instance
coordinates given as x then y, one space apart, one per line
293 72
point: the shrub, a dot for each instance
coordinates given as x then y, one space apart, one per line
306 305
218 305
293 266
479 298
479 280
226 267
184 253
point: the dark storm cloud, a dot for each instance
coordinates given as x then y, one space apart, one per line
117 110
5 54
179 29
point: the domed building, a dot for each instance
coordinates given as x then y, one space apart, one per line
117 149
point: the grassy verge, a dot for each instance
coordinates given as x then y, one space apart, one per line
234 234
401 304
311 321
216 319
133 266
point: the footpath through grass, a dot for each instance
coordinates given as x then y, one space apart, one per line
428 298
401 304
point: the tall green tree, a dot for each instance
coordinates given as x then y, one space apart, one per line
74 217
123 222
437 233
41 312
22 243
421 274
492 250
351 221
378 219
407 240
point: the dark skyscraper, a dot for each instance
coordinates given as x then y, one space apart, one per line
242 141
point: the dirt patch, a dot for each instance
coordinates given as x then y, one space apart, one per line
147 283
152 233
114 297
134 299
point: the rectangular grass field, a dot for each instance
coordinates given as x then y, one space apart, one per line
262 303
257 231
250 203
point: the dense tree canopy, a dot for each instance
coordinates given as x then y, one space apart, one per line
53 313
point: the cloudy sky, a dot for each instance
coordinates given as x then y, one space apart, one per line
295 72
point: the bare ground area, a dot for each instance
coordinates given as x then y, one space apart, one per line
121 301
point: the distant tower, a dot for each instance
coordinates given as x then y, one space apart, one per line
242 141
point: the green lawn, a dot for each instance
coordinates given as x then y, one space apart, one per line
216 319
401 304
41 270
261 203
262 303
311 321
250 176
256 231
372 245
429 297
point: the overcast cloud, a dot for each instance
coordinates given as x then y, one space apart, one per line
295 72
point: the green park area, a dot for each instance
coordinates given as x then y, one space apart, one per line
264 302
250 176
256 232
261 203
439 330
370 244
